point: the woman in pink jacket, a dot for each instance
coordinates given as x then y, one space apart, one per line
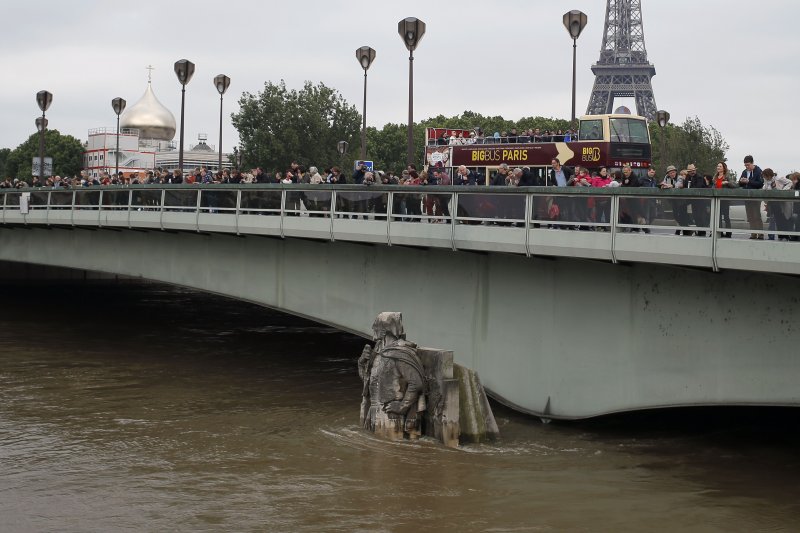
602 204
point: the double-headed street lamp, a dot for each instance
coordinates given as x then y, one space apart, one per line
365 56
221 82
662 118
184 69
118 105
411 30
574 21
44 99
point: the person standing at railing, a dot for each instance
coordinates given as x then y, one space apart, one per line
602 204
680 210
559 176
700 211
580 205
721 180
648 205
781 212
629 208
751 179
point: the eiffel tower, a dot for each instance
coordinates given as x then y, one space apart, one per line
623 69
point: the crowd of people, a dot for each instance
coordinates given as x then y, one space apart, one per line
566 212
531 135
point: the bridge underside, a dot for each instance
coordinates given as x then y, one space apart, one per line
564 338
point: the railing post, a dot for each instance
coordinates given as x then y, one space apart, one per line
72 208
161 210
454 200
47 212
333 211
100 209
527 224
714 228
197 209
389 214
238 208
130 206
614 216
283 210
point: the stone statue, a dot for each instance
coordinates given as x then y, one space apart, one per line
394 393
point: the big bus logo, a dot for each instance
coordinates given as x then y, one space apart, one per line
591 154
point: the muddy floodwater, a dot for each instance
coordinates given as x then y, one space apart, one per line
127 406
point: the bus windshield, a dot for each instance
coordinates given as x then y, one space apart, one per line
629 130
591 130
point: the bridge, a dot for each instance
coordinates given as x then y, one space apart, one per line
568 318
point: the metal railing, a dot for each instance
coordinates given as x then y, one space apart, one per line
615 224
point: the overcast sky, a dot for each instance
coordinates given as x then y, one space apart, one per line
731 63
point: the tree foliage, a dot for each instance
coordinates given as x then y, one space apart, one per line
690 142
66 151
387 146
278 126
3 158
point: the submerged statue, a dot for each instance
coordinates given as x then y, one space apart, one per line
393 397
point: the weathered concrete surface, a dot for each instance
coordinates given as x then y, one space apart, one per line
585 338
477 421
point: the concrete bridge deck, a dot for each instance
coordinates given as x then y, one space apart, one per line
560 323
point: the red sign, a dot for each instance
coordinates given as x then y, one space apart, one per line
533 154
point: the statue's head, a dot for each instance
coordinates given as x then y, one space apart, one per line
388 323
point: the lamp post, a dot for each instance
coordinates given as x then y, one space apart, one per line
184 69
365 56
662 117
574 21
341 147
411 30
221 82
41 125
44 99
118 105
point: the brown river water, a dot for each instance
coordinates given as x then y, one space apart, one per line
142 407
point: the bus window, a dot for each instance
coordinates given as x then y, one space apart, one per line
629 130
591 130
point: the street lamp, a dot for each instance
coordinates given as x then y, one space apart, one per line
574 21
411 30
44 99
221 82
662 118
184 69
365 56
341 147
118 105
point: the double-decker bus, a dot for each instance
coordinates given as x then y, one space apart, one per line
602 141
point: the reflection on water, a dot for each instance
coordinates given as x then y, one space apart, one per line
127 406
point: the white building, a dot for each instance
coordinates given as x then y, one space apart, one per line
146 142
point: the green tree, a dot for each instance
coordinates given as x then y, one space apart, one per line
3 158
66 151
690 142
386 147
278 126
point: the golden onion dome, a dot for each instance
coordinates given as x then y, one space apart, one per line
150 117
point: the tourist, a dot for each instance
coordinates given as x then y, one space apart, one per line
700 208
751 179
721 180
602 204
780 211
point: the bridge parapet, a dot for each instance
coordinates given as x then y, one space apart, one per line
616 225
